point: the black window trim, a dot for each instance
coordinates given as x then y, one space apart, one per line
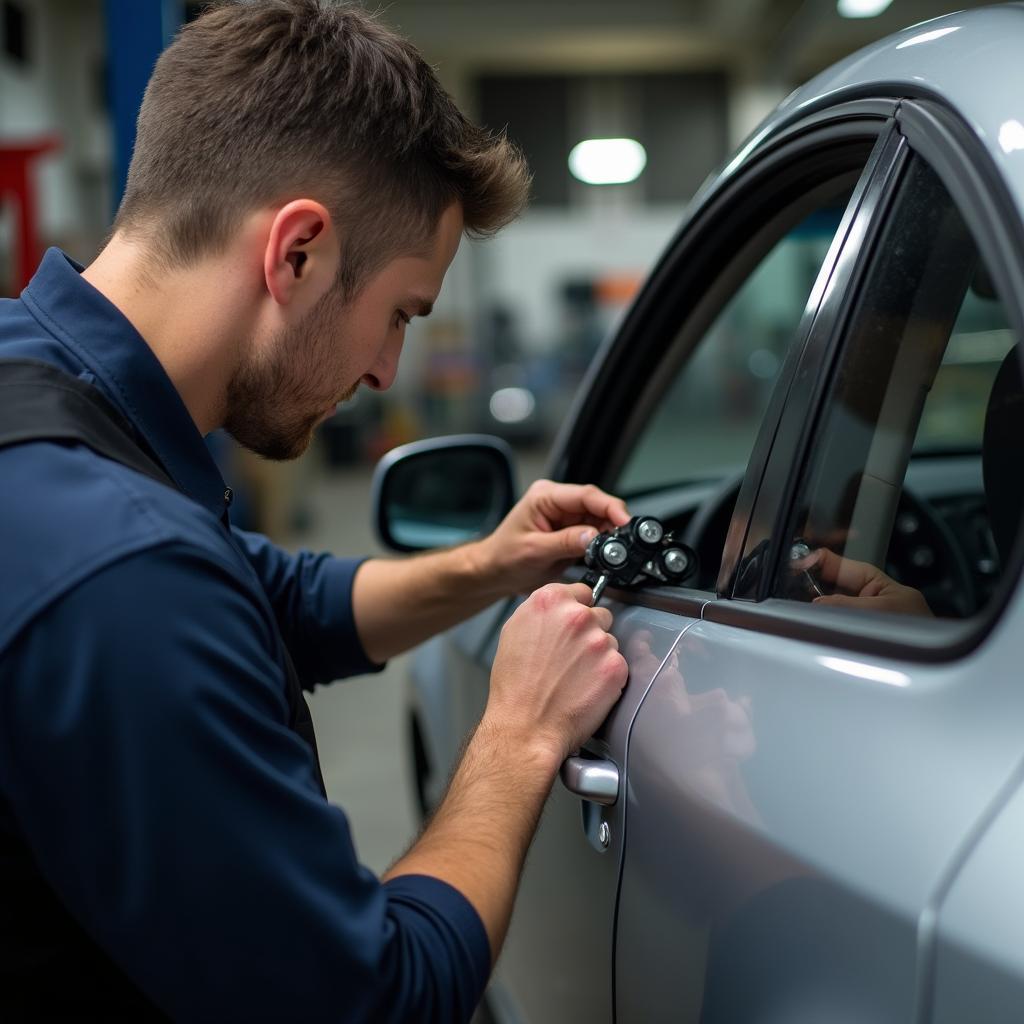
938 135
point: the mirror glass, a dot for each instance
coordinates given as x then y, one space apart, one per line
438 498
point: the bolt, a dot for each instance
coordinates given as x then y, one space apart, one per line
650 531
614 553
676 561
799 550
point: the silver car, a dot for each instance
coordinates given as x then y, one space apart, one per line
807 806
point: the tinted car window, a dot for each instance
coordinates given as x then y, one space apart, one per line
706 420
904 465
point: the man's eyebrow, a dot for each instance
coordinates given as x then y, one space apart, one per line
424 307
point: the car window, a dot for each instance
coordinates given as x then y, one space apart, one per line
704 423
905 506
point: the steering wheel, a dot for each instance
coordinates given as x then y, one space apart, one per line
923 552
707 529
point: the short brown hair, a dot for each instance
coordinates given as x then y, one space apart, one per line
259 101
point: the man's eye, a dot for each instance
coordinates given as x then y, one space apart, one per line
402 317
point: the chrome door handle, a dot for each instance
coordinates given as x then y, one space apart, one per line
596 781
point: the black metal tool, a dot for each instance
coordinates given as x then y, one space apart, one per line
638 553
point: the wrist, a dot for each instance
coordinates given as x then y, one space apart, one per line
484 568
533 749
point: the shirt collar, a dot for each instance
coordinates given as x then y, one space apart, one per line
127 371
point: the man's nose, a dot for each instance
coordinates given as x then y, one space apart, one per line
382 374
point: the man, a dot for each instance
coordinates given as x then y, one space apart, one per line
299 187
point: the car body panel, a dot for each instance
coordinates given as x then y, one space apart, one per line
564 913
979 951
970 60
793 806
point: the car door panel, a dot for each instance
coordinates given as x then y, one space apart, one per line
978 955
564 912
791 812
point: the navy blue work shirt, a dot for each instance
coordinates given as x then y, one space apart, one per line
145 756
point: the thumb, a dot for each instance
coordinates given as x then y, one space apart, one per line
570 542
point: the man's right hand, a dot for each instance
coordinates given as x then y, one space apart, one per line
558 670
557 673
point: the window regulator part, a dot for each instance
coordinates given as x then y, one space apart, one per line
640 553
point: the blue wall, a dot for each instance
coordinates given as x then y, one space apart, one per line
137 31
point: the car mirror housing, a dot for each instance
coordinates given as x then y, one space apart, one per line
442 491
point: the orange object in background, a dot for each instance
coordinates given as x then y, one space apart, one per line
617 289
17 186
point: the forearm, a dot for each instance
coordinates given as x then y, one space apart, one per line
477 840
399 603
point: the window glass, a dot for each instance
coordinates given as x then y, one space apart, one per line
906 506
705 422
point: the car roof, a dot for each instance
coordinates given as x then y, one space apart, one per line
971 61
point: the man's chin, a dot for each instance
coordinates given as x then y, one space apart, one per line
278 448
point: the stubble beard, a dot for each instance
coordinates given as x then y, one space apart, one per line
275 401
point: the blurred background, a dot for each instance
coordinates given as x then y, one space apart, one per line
672 87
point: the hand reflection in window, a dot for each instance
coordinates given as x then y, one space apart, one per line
847 583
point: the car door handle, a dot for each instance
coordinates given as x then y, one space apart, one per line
597 781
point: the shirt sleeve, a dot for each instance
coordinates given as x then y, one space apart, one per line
145 754
311 595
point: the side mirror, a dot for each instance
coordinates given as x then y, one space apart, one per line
442 491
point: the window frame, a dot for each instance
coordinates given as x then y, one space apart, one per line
698 257
930 131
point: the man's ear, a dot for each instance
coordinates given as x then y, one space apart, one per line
301 258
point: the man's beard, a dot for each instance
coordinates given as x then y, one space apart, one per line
274 402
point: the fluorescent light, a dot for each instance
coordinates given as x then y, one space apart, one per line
862 8
607 161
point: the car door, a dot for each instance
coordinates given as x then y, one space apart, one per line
803 774
719 349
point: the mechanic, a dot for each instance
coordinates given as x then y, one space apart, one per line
299 187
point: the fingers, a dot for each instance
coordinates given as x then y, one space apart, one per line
580 591
585 595
566 545
564 503
845 601
558 670
842 573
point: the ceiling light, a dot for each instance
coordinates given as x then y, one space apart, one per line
861 8
512 405
607 161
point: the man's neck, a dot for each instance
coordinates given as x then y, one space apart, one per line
185 316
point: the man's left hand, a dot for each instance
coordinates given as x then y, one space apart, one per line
547 530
